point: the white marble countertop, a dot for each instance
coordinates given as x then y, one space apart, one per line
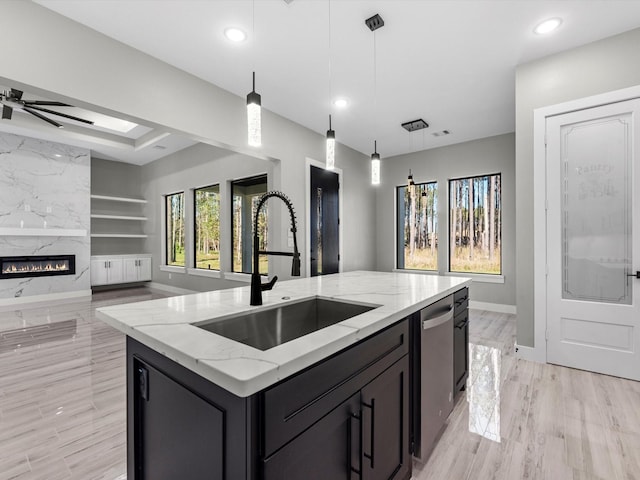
166 325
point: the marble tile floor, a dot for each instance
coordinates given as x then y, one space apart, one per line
62 405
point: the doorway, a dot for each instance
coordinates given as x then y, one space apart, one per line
593 239
324 221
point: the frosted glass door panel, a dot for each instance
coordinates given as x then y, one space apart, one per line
596 210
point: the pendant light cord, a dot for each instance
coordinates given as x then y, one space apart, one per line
330 73
375 85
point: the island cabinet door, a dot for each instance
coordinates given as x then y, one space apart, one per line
330 449
179 434
385 425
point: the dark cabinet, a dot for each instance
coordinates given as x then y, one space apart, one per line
346 417
328 449
181 434
365 437
460 339
385 425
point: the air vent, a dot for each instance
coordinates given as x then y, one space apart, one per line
374 22
288 1
159 147
414 125
441 133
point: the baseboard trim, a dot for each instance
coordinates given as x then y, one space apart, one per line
493 307
170 288
530 353
50 298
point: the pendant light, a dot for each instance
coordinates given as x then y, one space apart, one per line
411 183
254 103
330 161
254 120
375 165
374 23
331 148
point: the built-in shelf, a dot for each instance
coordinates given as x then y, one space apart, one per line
117 217
118 199
117 235
42 232
124 213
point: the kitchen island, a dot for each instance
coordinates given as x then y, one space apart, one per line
307 408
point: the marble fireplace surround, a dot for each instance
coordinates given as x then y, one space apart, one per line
44 210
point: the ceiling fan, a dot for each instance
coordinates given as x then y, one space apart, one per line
12 100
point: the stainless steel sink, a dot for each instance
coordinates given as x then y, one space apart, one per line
268 328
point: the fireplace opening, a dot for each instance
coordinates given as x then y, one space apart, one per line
37 266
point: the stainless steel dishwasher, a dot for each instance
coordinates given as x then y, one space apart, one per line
431 396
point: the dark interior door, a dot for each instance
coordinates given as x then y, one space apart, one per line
325 241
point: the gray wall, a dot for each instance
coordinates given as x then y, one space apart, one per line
478 157
194 167
606 65
203 165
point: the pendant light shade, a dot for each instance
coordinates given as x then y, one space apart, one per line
375 165
254 120
331 148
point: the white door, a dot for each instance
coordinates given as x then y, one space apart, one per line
593 233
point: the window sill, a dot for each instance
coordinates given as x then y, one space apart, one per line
172 269
419 272
201 272
238 277
478 277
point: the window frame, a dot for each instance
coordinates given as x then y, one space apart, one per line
232 184
166 229
487 275
400 262
195 227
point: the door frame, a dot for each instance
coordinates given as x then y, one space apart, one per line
539 351
307 214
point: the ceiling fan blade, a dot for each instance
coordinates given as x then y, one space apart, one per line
46 102
6 112
16 93
41 117
46 110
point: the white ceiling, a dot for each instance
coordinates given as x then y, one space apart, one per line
450 62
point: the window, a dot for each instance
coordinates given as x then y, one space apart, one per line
245 194
207 227
417 226
175 229
475 225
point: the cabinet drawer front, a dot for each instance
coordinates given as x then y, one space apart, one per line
461 300
294 405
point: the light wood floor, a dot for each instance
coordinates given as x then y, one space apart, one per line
62 405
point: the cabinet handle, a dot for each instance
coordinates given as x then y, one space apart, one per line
371 406
352 417
439 320
463 324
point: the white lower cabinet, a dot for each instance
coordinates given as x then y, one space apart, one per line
114 269
137 269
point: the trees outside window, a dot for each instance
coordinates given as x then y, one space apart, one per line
207 227
417 228
175 229
245 194
475 220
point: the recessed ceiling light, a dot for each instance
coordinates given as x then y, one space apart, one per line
548 26
341 102
235 34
